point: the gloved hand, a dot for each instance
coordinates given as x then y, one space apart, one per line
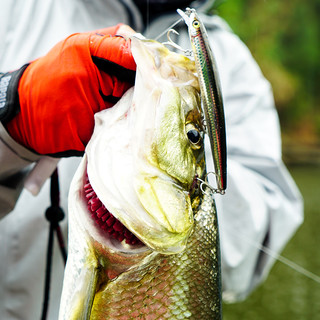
60 92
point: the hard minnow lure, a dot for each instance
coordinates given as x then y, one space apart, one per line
210 92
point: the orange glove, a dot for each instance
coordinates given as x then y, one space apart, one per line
60 92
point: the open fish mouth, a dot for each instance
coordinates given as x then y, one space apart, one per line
105 219
107 222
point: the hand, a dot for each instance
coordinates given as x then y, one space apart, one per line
60 92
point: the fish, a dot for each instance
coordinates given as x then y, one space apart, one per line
211 93
143 238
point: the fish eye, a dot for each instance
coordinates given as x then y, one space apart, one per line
194 136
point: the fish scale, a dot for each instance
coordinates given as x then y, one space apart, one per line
181 286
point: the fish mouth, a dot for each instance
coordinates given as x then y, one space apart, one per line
104 218
107 223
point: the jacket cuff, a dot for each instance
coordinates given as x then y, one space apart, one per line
17 148
9 97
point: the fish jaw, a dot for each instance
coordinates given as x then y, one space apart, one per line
148 201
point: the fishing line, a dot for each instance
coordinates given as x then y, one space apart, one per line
289 263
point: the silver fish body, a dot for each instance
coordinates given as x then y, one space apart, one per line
210 93
143 166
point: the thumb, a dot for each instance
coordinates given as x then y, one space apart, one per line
125 31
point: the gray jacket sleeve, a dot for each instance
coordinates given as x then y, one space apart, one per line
16 162
20 168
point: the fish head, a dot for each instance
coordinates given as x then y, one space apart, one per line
132 196
146 152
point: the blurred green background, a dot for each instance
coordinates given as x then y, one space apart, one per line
284 38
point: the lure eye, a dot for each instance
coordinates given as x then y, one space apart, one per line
194 136
196 24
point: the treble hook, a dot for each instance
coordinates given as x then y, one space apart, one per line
171 43
205 183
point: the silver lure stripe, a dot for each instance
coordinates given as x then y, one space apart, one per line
210 92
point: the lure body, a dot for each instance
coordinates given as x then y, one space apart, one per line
210 94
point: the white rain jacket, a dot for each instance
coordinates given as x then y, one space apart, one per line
261 206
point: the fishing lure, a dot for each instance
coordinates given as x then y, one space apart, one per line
210 92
